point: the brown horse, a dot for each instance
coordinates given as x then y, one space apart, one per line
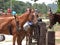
18 22
30 28
25 33
6 27
54 18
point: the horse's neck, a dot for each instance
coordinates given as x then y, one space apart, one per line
34 18
24 17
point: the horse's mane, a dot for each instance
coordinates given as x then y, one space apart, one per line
23 15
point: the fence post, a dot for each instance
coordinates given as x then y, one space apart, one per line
42 36
51 38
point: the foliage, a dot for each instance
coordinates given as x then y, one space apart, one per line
41 7
58 6
53 7
20 6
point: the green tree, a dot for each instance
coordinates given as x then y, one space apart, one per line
44 9
19 6
58 6
41 7
28 4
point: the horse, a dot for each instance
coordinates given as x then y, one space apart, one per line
6 30
53 19
15 25
5 22
26 32
31 27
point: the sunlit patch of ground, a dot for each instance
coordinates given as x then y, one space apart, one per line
8 41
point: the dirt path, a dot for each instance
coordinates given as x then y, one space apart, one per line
57 37
57 34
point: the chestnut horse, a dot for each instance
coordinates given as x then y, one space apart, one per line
9 28
23 32
53 18
15 27
30 27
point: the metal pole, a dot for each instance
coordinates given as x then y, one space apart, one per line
3 5
11 4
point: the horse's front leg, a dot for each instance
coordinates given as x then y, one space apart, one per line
19 40
20 37
14 39
27 40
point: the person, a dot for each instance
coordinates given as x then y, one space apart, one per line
1 11
9 10
14 14
38 18
36 12
49 11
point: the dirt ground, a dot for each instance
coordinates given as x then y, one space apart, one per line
57 37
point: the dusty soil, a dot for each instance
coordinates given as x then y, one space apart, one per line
57 37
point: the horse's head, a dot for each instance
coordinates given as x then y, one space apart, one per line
28 10
31 22
33 16
52 20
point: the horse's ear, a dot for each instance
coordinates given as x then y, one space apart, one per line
28 9
32 10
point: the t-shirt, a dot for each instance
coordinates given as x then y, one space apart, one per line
13 13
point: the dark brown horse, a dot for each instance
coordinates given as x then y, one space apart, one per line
54 18
12 27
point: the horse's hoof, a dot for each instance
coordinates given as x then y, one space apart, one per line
2 38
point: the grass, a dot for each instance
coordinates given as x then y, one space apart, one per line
57 28
57 40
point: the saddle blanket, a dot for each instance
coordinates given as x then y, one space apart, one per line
27 25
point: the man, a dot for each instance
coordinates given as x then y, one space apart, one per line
14 14
1 11
38 18
9 10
